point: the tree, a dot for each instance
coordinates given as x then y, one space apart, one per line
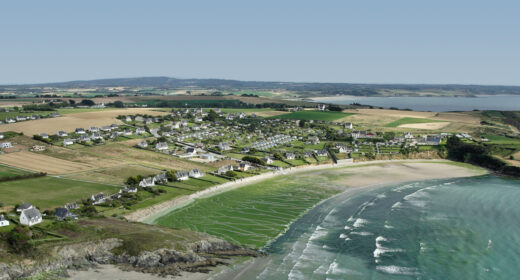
231 174
171 176
119 104
302 123
212 116
72 102
87 102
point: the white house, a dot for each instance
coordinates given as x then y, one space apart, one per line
30 217
62 133
224 146
244 166
195 173
142 144
68 142
161 146
147 182
191 151
208 157
182 175
3 221
268 160
290 155
140 130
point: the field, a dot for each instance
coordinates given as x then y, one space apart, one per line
114 175
497 139
47 192
314 115
405 121
71 121
254 214
41 163
7 172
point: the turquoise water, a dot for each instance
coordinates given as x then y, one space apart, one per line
434 104
442 229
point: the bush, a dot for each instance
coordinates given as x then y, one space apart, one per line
19 240
253 160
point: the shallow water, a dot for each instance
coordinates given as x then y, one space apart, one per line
434 104
441 229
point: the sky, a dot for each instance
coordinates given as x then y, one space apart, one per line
362 41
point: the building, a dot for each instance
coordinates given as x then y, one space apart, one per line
290 156
80 131
62 133
161 146
30 217
161 178
224 146
63 213
147 182
3 221
24 206
244 166
195 173
208 157
224 169
268 160
182 175
98 198
142 144
44 135
67 142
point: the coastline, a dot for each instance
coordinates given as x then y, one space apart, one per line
149 214
359 179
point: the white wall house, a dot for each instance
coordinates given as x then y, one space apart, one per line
30 217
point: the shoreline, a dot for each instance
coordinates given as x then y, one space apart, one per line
359 179
150 214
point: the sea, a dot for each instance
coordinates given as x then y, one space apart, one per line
434 104
466 228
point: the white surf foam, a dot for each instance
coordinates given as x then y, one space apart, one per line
394 269
359 222
362 233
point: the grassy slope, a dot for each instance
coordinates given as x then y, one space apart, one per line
48 192
314 115
410 121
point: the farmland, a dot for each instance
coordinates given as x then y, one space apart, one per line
314 115
71 121
48 192
41 163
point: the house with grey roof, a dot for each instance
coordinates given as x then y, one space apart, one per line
30 217
182 175
24 206
147 182
195 173
63 213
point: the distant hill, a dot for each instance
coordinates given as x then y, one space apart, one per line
302 88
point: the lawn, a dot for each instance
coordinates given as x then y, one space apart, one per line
314 115
81 110
7 172
49 192
254 214
410 121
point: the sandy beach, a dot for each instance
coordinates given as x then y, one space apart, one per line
360 175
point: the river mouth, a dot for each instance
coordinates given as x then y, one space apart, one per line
463 228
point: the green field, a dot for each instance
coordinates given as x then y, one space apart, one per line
410 121
81 110
254 214
8 172
49 192
498 139
313 115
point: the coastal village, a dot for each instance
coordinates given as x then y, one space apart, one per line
240 144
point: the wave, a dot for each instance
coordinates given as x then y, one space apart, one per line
360 222
394 269
362 233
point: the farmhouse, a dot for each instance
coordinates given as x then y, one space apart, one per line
348 125
195 173
147 182
62 133
72 205
129 190
290 155
10 120
44 135
20 118
30 217
93 129
3 221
